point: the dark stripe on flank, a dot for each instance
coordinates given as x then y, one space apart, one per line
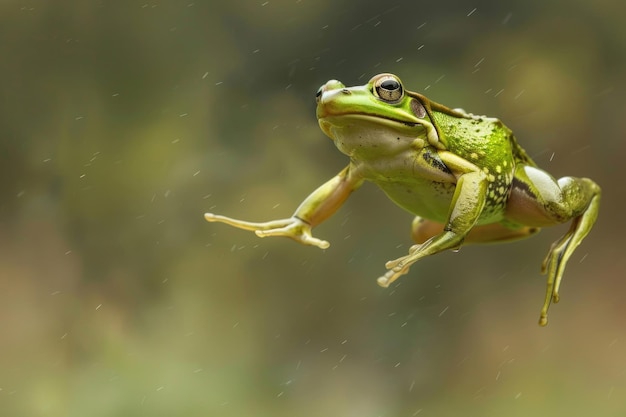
432 158
522 186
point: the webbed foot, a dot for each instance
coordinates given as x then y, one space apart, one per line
293 228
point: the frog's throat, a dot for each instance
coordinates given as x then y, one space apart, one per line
432 135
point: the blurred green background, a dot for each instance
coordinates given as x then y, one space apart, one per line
121 123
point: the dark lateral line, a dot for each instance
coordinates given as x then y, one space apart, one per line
436 162
523 187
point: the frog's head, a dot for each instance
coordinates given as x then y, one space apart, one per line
377 118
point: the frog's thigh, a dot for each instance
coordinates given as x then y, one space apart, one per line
497 232
423 229
537 199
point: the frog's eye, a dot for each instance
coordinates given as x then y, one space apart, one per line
388 88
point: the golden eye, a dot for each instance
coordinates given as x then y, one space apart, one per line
389 88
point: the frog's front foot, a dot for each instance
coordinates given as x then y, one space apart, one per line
397 268
391 275
293 228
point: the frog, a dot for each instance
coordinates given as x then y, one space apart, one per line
464 177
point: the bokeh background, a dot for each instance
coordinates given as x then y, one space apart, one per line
121 123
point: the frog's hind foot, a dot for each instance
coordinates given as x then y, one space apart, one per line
560 252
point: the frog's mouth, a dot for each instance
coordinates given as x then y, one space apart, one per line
378 118
375 119
330 122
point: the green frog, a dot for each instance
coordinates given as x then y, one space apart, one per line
463 176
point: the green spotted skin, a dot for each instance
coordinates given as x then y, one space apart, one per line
490 145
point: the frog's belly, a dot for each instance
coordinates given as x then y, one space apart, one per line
430 200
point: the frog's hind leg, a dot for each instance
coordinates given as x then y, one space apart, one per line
537 198
424 229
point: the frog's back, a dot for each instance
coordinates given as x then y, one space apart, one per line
491 146
519 154
469 135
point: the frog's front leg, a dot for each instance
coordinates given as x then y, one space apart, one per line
538 199
316 208
292 227
467 204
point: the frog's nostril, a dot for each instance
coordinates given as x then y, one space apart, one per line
345 91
